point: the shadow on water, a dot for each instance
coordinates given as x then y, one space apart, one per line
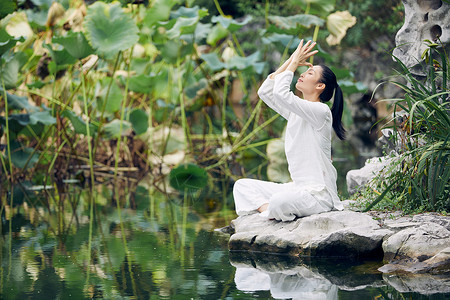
138 243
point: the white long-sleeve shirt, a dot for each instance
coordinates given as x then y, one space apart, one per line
308 135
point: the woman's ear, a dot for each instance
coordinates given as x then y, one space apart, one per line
320 86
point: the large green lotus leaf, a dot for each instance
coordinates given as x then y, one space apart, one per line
139 121
17 102
283 39
115 95
188 177
60 57
76 44
43 117
316 7
189 12
78 124
160 11
293 22
20 155
43 4
217 33
213 61
182 26
37 19
141 83
242 63
7 41
112 129
202 31
11 70
109 29
7 7
229 23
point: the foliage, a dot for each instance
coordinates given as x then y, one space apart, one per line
109 85
419 177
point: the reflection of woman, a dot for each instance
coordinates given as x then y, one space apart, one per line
307 143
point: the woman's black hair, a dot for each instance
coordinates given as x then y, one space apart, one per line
331 86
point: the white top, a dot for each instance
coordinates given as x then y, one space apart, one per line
308 135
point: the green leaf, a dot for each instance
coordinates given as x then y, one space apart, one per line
187 12
75 44
17 102
217 33
115 95
7 41
293 22
188 177
7 7
112 129
182 26
141 83
78 124
213 62
11 70
283 39
229 23
60 57
20 155
316 7
43 117
139 121
109 29
160 11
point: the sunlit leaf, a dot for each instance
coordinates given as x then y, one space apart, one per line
113 129
217 33
296 21
18 26
230 23
188 177
115 95
139 121
109 29
182 26
213 61
189 12
337 24
11 70
160 11
43 117
76 44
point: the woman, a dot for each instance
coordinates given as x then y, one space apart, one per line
307 143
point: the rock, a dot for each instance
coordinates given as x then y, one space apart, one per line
423 248
356 179
412 244
423 20
420 283
330 234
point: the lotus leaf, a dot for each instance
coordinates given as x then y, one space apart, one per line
160 11
217 33
113 131
109 29
76 44
293 22
187 12
188 177
229 23
139 121
78 124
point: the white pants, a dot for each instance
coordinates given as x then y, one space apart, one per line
286 200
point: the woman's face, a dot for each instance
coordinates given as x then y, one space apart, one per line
308 81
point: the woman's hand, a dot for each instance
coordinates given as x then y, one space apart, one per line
301 54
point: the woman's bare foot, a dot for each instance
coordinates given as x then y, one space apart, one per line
263 207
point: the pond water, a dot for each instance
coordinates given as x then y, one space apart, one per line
138 243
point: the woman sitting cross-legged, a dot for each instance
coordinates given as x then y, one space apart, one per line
307 143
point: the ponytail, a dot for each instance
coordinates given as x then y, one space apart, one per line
331 86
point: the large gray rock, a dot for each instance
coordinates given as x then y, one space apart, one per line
424 19
357 179
413 244
330 234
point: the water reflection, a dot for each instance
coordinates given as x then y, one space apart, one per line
290 278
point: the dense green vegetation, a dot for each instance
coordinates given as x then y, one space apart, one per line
127 89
